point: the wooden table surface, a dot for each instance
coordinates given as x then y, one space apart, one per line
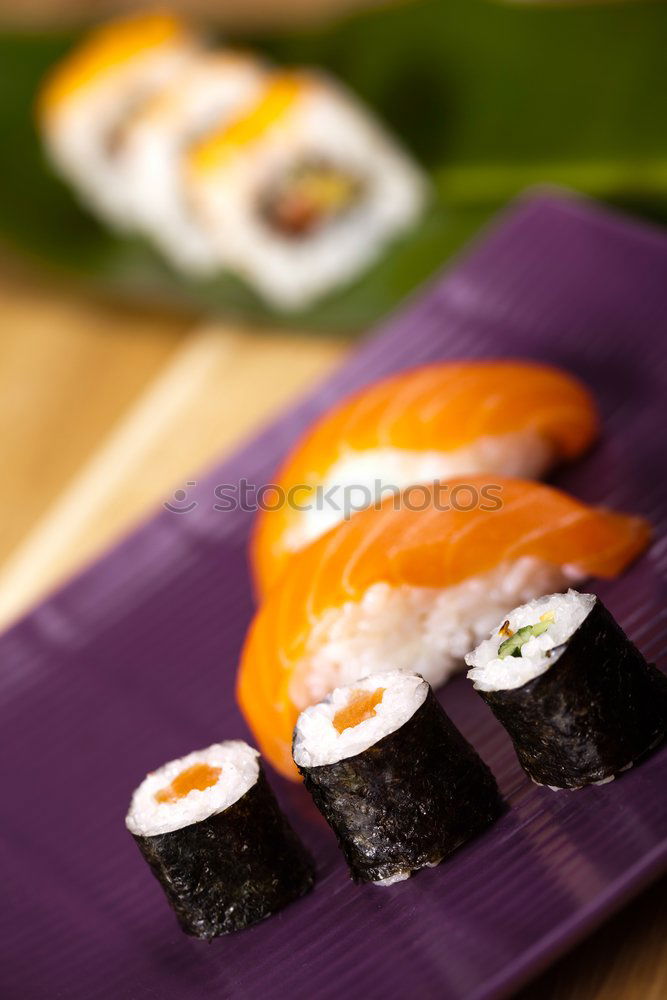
105 410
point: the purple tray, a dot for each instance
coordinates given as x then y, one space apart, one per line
133 663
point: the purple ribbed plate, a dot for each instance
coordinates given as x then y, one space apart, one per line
133 663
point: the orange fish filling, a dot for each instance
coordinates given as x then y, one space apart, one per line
198 778
361 706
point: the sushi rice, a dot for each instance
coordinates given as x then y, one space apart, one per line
424 629
238 772
560 614
317 737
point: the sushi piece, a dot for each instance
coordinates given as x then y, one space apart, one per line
87 100
394 778
415 585
214 89
578 699
306 187
511 418
216 840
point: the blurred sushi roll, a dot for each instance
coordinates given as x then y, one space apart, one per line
394 778
414 585
510 418
578 699
305 187
89 97
216 840
213 89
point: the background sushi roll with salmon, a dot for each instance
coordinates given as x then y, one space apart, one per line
395 779
414 586
89 97
510 418
211 91
306 188
214 835
578 699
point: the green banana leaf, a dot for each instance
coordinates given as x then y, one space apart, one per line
490 98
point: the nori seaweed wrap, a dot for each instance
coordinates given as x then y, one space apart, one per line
409 791
232 868
595 707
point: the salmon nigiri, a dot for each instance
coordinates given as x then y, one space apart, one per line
511 418
414 585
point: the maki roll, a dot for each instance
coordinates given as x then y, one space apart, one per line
414 585
212 90
396 781
509 418
305 186
89 97
216 840
578 699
